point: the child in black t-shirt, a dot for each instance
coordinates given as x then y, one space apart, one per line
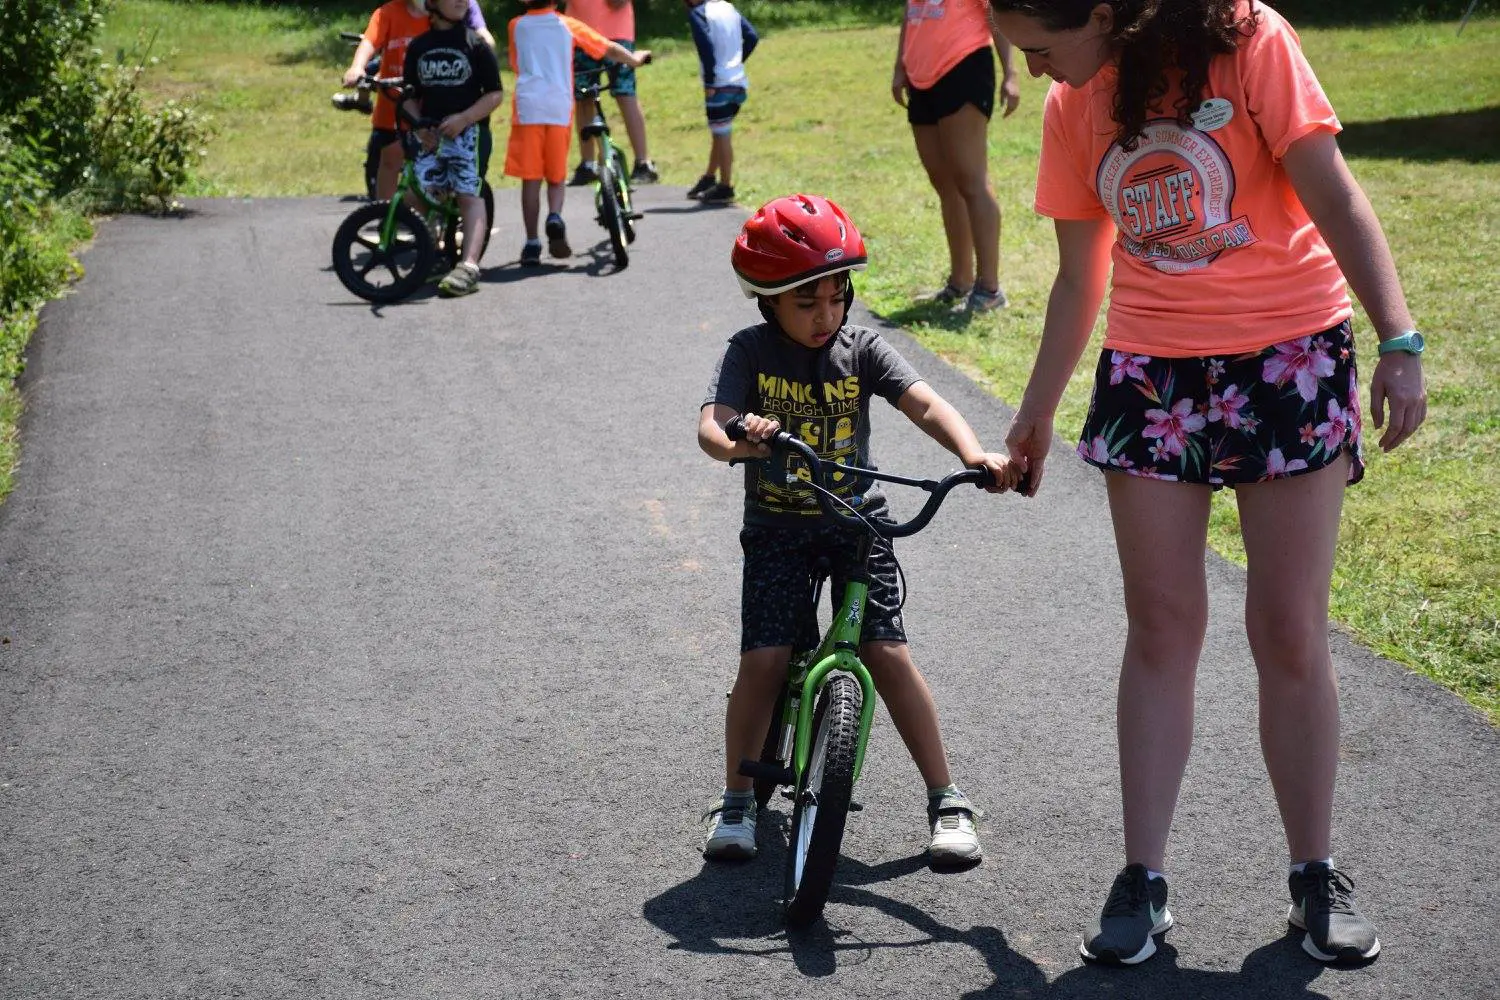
454 78
807 369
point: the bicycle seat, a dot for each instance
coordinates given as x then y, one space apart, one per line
595 128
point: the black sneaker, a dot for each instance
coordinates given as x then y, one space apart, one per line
1135 911
585 173
1323 905
557 237
531 253
644 173
704 183
719 194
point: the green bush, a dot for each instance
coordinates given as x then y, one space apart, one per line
141 156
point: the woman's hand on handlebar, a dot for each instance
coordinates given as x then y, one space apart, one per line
1028 441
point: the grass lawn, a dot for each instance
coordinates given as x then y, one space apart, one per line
1418 575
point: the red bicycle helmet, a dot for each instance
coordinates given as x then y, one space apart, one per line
793 240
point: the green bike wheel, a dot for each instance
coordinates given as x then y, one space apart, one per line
378 271
613 219
823 797
627 224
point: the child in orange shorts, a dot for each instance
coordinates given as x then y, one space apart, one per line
542 42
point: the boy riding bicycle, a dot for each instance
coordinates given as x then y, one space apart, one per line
454 78
808 369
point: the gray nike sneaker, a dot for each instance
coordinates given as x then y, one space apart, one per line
1134 914
1323 905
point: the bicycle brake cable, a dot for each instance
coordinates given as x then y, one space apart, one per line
890 543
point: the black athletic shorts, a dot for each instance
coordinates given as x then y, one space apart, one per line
972 81
776 598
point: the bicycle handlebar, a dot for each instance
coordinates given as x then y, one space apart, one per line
394 90
591 88
817 467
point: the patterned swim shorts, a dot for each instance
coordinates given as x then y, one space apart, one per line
1228 420
453 166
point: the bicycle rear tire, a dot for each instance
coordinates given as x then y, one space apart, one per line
823 797
612 217
360 262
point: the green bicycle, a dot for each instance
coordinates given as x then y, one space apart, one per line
815 746
612 205
385 250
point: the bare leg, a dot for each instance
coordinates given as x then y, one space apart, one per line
1161 532
1290 528
531 205
724 156
635 125
556 193
586 147
475 223
934 156
910 703
392 159
962 136
762 676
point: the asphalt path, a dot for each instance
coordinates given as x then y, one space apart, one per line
355 653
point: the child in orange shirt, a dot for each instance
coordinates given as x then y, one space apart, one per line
542 42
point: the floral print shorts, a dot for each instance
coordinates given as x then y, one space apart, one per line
1231 419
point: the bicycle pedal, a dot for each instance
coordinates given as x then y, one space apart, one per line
634 216
856 807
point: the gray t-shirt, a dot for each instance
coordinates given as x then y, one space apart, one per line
821 395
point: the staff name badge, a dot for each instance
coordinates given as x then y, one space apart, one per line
1212 114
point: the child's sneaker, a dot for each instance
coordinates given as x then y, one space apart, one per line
462 280
983 301
584 174
719 194
557 237
731 828
644 173
531 253
1135 911
1323 905
704 183
955 841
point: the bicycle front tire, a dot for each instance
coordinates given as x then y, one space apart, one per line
377 273
823 797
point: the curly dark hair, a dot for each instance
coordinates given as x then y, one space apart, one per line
1156 42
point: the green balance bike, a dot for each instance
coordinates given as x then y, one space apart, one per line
386 250
815 747
612 208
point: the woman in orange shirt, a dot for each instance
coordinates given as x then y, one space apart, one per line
945 78
1189 162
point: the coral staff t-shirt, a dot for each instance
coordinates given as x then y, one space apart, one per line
391 29
939 34
1214 254
616 23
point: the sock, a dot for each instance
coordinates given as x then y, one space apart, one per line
1300 865
1153 874
743 800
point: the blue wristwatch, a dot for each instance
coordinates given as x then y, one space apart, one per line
1411 342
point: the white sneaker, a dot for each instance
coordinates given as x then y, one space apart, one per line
955 840
731 832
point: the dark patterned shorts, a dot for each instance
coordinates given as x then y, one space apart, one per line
776 596
1228 420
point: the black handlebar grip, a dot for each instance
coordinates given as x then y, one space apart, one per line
735 428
